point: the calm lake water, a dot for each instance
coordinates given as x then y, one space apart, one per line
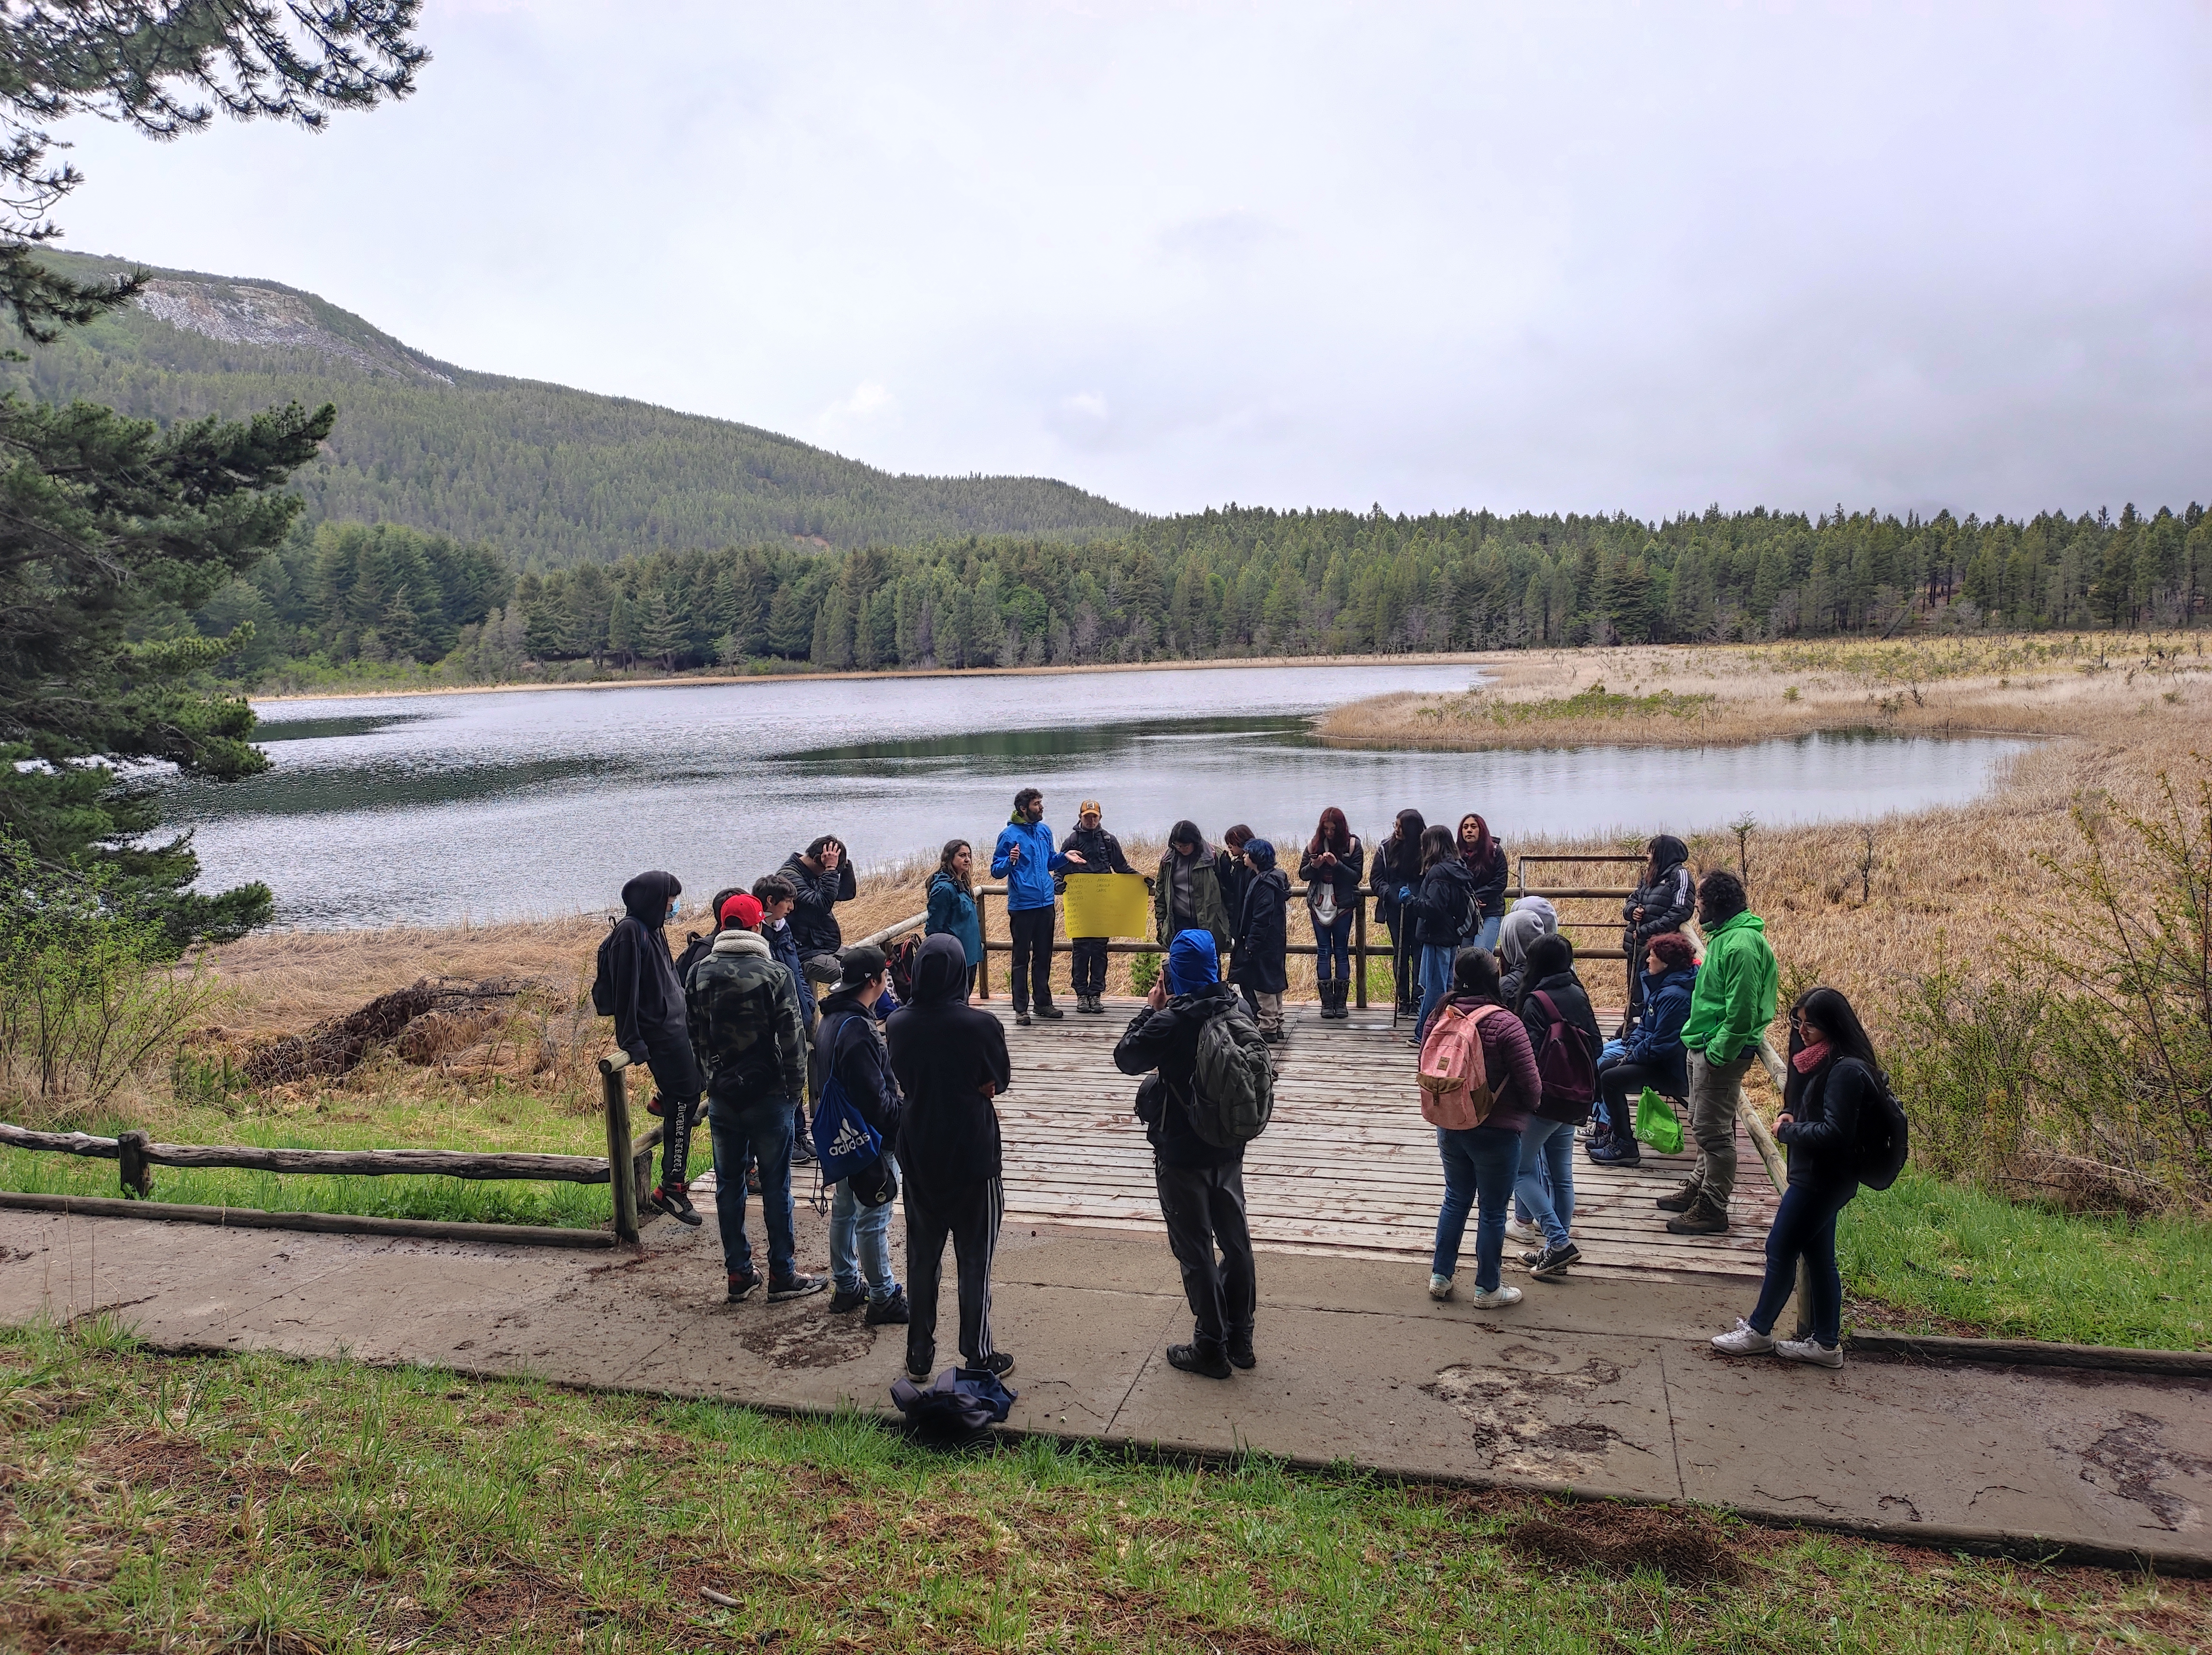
431 809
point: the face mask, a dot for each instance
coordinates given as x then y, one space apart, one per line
672 905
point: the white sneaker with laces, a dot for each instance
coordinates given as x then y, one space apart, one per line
1440 1287
1524 1234
1743 1340
1497 1298
1808 1350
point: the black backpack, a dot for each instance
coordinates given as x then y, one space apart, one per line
602 979
1882 1138
900 963
695 948
1469 918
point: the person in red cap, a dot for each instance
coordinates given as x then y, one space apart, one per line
743 1008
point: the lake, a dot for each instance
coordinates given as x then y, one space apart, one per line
534 803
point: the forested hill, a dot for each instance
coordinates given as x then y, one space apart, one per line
551 477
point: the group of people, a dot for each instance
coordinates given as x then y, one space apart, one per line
1510 1038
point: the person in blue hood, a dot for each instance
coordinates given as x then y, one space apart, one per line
1025 857
1201 1186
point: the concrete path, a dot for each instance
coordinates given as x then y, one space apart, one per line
1599 1386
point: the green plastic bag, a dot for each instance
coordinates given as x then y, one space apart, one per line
1655 1123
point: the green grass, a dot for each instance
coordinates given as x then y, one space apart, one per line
1595 702
1935 1254
262 1504
496 1118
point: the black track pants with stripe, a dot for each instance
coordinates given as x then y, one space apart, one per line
970 1218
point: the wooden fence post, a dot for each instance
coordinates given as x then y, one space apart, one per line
1359 950
983 935
614 1082
138 1172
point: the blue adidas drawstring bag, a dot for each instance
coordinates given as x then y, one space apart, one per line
844 1143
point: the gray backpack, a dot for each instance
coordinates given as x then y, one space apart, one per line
1233 1092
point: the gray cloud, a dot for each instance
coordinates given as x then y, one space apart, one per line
1590 258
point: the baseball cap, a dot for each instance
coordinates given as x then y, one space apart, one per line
741 910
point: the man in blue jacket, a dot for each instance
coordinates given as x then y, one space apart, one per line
1025 858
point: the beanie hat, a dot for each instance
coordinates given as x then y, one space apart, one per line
741 910
1194 962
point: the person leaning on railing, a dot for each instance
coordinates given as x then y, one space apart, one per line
1730 1007
953 904
638 988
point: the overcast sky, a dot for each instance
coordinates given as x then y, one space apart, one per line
1544 257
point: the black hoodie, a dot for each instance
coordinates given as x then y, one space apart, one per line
945 1053
1263 930
649 1001
813 918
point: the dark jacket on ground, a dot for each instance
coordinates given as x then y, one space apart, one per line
1101 852
1509 1065
648 1000
814 922
1263 932
1822 1137
744 1021
851 1048
1668 901
1573 1001
1490 881
1439 903
783 944
944 1052
1394 865
1167 1039
952 913
1655 1039
1209 911
1344 878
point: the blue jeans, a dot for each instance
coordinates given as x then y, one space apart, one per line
1805 1225
1544 1186
860 1243
1478 1167
1333 941
1487 936
762 1130
1436 982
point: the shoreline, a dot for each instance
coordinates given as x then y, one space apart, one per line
1455 658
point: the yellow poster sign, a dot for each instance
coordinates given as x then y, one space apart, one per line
1108 904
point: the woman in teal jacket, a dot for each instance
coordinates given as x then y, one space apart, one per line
952 904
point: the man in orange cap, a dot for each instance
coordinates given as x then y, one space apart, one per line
1094 851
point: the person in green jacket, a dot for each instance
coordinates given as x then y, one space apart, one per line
1187 891
1730 1008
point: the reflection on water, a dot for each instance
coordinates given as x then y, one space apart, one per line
488 806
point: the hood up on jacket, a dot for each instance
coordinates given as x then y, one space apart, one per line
1532 917
1193 961
645 898
1667 852
940 972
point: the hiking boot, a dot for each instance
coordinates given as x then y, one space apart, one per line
1705 1218
1497 1299
742 1283
1809 1350
1199 1359
1021 1017
1240 1350
844 1298
1552 1264
1051 1014
889 1313
1743 1340
1681 1199
1440 1287
674 1200
795 1286
1272 1036
998 1365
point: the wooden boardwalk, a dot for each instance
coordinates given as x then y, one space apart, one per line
1346 1168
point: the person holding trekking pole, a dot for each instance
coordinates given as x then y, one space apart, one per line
1205 1064
1397 867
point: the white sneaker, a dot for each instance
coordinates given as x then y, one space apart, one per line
1808 1350
1743 1340
1440 1287
1525 1234
1497 1298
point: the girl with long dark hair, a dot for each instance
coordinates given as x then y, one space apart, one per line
1444 915
1484 859
1396 870
1330 870
1834 1080
952 904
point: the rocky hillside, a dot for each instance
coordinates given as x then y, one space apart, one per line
551 475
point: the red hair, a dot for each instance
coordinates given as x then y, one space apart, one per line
1673 950
1334 834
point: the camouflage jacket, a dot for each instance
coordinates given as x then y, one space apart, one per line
743 1010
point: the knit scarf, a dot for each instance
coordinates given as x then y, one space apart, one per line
1811 1058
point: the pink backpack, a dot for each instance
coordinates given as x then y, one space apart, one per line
1455 1089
